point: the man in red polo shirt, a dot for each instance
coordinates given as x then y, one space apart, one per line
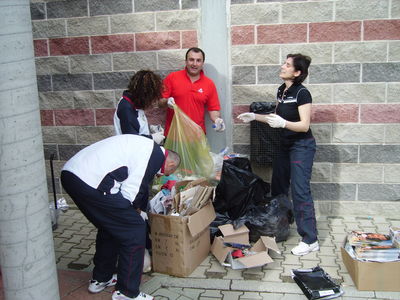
193 92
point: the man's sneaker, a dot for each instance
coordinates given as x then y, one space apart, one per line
97 287
117 295
303 248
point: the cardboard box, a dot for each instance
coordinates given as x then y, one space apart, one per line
241 236
373 276
180 244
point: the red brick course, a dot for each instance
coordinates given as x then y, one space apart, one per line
380 113
113 43
335 31
157 40
282 34
340 113
105 116
242 35
41 48
69 46
74 117
47 117
382 30
189 39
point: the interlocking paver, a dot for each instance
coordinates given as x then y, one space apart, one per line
74 242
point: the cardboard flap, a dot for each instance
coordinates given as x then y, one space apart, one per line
219 250
231 235
270 243
200 220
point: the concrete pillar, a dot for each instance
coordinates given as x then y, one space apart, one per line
26 242
215 41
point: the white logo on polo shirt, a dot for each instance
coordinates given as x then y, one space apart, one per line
200 90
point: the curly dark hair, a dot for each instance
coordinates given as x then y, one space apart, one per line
300 63
145 87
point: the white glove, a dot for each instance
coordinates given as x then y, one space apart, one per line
143 215
158 137
275 121
219 125
247 117
171 102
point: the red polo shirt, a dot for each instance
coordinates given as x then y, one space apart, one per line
192 98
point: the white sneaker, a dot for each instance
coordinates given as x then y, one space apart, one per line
97 287
303 248
117 295
147 261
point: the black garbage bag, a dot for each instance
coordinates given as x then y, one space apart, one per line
273 219
239 188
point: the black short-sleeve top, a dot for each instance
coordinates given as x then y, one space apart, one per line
288 103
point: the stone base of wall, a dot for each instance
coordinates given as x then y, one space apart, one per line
357 208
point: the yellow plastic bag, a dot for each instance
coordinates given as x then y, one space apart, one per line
188 139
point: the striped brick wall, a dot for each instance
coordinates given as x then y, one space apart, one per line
354 80
86 51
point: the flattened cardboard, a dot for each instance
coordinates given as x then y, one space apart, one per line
373 276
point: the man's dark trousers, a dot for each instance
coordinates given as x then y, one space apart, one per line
121 235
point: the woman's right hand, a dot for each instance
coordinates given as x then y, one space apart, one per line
247 117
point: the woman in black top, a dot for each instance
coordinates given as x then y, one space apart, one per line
293 164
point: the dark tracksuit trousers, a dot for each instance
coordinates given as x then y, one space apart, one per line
292 167
121 235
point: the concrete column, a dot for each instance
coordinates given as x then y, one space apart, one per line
215 41
26 242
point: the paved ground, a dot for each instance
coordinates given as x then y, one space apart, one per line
75 244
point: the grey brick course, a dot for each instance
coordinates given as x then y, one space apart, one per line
111 80
177 20
98 7
335 73
138 22
52 65
379 192
38 11
380 154
49 29
67 151
268 74
255 14
381 72
311 12
88 26
155 5
336 153
356 133
244 75
361 10
359 93
44 83
90 63
333 191
187 4
72 82
135 61
67 9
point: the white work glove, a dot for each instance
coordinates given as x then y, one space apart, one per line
275 121
158 137
143 215
171 102
219 125
247 117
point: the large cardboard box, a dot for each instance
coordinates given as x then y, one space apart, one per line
180 244
373 276
241 236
